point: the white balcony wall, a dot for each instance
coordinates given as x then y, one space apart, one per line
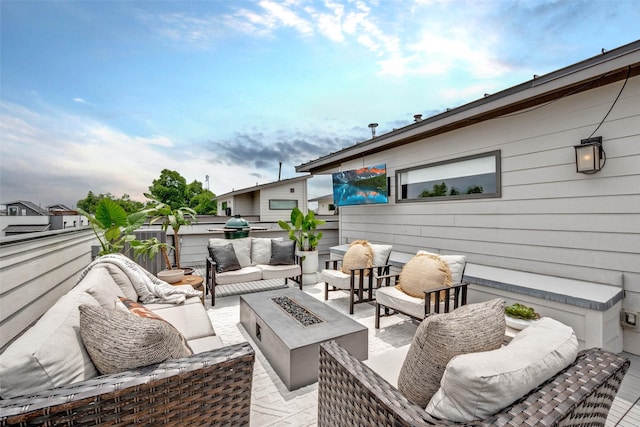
35 271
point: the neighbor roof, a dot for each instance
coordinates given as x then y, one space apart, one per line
606 68
30 205
264 186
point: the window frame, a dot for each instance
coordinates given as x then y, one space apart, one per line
498 180
287 208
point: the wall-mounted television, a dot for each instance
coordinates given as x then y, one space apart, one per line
364 186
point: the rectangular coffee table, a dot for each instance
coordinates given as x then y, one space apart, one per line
291 347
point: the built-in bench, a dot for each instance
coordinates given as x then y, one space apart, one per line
591 309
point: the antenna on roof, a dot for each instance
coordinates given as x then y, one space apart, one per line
417 117
373 127
279 170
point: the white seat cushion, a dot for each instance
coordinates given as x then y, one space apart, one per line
388 364
279 271
392 297
245 274
190 320
336 278
200 345
476 385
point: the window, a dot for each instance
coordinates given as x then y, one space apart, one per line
467 177
13 211
277 205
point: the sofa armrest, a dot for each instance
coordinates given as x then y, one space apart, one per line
205 388
350 393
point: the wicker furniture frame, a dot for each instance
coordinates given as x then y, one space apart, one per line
350 393
210 388
452 296
357 287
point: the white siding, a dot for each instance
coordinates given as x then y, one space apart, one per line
550 219
282 192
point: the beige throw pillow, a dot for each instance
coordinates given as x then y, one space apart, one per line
440 337
118 341
359 255
423 272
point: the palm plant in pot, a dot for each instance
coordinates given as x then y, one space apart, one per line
303 230
112 226
149 248
171 217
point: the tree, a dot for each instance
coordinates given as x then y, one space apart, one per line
170 189
90 203
201 200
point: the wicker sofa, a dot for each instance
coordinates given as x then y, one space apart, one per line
351 393
49 377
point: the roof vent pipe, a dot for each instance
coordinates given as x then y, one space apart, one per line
417 117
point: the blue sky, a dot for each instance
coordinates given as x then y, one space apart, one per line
103 95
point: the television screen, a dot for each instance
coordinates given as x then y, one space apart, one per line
363 186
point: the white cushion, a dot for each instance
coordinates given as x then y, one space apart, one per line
456 264
99 284
242 248
380 253
246 274
336 278
50 353
392 297
203 344
283 271
190 320
261 249
121 279
389 363
477 385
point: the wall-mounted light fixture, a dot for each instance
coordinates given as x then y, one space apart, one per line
590 157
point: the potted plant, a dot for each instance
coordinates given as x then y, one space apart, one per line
170 217
149 248
112 226
303 230
519 316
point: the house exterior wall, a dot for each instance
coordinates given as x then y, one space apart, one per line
245 204
282 192
549 219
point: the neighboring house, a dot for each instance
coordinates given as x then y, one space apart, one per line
527 209
270 202
324 204
27 217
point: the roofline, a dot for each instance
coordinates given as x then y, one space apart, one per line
600 70
263 186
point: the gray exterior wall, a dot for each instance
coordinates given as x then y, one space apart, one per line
549 219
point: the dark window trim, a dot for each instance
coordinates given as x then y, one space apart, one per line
498 164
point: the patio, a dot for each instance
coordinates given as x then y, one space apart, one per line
274 405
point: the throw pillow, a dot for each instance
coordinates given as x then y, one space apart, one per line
283 252
359 255
422 273
261 250
225 258
477 385
142 311
118 341
440 337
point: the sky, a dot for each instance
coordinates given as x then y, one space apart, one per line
102 96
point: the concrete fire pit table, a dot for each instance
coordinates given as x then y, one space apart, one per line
291 345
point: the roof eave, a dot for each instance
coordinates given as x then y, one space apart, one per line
586 75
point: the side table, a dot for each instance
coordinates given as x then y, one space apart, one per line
193 280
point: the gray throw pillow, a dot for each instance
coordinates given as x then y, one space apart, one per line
117 340
282 252
468 329
225 258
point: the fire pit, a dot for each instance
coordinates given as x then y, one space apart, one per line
288 325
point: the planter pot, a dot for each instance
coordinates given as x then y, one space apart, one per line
519 324
309 262
171 276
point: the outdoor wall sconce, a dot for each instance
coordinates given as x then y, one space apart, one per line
590 157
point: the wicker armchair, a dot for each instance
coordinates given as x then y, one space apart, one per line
210 388
350 393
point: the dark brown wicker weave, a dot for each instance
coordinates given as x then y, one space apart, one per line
350 393
210 388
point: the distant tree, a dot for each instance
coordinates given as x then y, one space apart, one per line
90 203
437 191
170 188
475 189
